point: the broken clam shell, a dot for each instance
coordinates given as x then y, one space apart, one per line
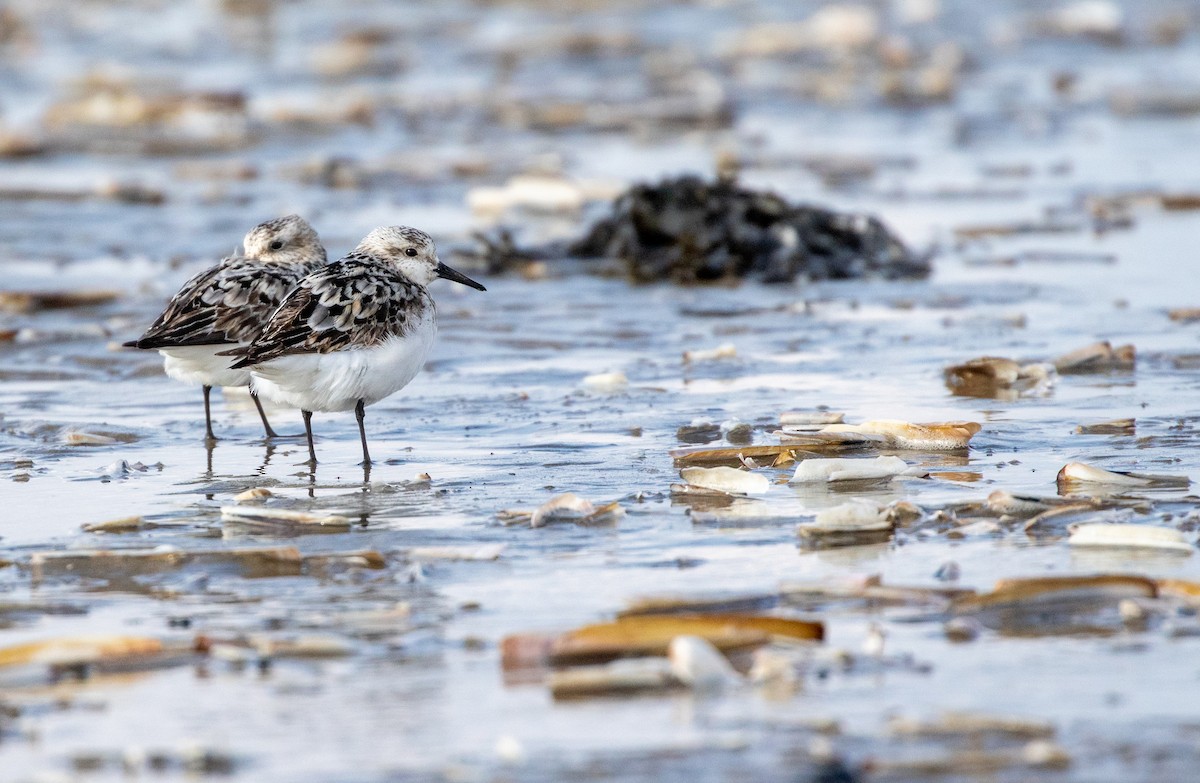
726 479
569 507
849 524
617 678
936 436
1097 357
1140 536
832 470
281 517
1074 473
698 664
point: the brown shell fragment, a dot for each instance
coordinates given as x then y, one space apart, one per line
735 456
869 595
525 651
83 649
33 301
76 657
108 564
1113 427
636 636
1097 357
933 436
970 724
1184 315
995 377
1056 606
672 604
1038 754
1180 588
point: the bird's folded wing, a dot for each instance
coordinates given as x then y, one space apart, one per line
356 302
229 303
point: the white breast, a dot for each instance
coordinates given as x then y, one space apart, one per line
337 381
199 364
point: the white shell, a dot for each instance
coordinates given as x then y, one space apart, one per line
1144 536
122 525
771 667
255 493
624 676
538 193
806 421
1090 474
698 664
829 470
723 351
852 516
281 516
78 438
606 381
727 479
745 513
1004 502
567 507
472 552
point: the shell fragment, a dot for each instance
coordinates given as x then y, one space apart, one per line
282 517
1074 473
833 470
847 525
726 479
936 436
569 507
698 664
1138 536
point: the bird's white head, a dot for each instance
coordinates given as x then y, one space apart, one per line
412 253
285 240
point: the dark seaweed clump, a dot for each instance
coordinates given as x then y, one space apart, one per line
689 230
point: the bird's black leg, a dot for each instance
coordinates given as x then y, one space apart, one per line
208 433
312 452
360 413
263 415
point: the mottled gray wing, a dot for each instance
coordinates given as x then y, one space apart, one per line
229 303
356 302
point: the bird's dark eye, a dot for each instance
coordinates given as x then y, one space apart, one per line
411 252
276 245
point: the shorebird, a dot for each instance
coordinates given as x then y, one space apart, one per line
352 332
229 304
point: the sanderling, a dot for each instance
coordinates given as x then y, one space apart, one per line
352 332
229 304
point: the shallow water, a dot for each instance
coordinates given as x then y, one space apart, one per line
502 418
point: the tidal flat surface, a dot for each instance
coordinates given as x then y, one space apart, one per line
1055 178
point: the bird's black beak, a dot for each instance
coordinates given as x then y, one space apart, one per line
458 277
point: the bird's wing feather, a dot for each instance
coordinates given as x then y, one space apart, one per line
356 302
228 303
